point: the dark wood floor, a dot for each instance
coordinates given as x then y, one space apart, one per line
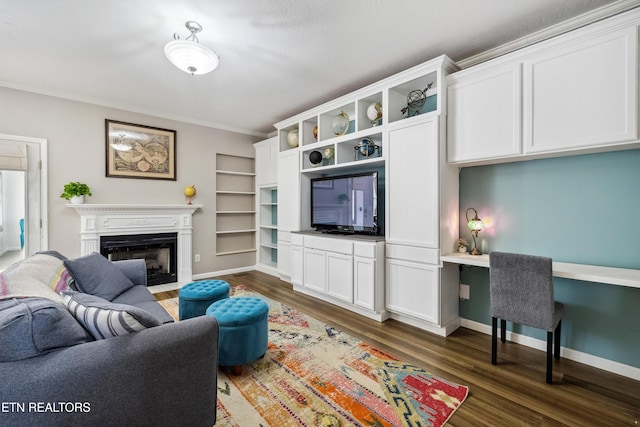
513 393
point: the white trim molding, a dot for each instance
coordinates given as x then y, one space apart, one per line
567 353
587 18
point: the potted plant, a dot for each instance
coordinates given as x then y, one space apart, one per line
461 245
75 192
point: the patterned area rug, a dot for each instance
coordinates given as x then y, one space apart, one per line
315 375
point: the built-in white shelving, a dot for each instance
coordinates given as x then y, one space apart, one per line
235 205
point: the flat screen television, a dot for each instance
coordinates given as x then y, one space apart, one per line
345 204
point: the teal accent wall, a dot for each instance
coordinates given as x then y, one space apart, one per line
580 209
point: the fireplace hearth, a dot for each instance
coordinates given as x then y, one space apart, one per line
158 250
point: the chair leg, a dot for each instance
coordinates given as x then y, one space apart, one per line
556 344
494 340
503 330
549 358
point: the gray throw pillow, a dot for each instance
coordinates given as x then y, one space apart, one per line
96 275
30 327
104 319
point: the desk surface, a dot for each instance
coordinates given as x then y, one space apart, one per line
590 273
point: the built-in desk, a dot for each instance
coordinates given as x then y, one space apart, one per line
590 273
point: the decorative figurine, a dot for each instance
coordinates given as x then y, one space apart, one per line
190 192
416 100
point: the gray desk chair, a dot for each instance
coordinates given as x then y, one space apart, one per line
521 288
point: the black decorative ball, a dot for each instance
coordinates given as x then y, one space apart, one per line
315 157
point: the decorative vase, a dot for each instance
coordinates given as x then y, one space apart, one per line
77 200
292 138
462 250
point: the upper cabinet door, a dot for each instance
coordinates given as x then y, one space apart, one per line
413 185
484 114
582 93
267 162
289 191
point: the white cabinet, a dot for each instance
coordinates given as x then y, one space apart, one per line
295 262
346 271
484 113
267 162
413 184
368 272
573 94
266 166
582 93
419 291
340 276
315 270
413 289
288 201
289 191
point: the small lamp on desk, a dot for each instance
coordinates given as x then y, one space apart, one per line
475 225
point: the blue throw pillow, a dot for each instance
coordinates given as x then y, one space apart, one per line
30 327
96 275
104 319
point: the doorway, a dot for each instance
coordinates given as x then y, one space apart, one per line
28 156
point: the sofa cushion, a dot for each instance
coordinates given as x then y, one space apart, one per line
104 319
139 296
96 275
30 327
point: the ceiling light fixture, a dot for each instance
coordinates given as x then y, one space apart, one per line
189 55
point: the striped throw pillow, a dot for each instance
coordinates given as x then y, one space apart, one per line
104 319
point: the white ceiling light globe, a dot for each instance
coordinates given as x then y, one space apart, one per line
191 57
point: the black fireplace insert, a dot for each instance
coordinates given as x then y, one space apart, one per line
158 250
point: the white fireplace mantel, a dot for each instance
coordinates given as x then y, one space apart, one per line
126 219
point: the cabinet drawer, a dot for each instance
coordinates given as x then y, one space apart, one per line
296 239
366 250
331 245
413 253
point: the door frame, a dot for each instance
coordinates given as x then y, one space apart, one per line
35 214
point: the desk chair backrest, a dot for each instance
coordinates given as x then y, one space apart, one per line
521 288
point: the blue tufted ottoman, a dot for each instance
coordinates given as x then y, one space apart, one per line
244 334
195 297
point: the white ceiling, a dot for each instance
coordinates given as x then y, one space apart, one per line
278 57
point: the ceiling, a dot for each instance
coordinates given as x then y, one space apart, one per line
278 57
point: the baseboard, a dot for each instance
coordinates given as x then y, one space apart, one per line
223 272
268 270
567 353
177 285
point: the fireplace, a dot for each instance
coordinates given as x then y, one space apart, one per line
98 221
158 250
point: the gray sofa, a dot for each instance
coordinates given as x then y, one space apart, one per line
163 375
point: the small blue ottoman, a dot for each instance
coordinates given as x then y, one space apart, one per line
244 332
195 297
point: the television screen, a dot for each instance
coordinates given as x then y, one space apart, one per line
345 204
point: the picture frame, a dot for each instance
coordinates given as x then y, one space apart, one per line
139 151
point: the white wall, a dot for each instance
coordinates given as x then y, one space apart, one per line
76 142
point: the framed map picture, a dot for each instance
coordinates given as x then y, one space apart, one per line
137 151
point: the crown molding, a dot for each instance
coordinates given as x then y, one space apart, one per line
587 18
